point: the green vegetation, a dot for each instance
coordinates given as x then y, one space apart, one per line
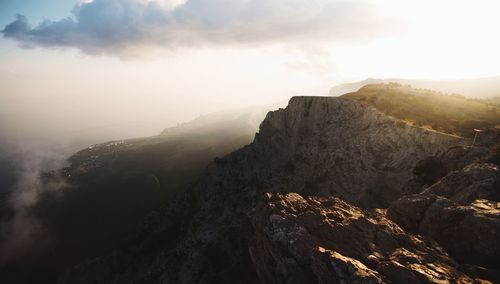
450 113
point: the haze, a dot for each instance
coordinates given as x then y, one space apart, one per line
111 69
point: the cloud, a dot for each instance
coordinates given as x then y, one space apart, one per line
109 26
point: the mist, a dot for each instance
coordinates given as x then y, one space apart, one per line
21 227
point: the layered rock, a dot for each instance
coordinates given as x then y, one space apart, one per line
431 169
339 147
475 181
461 212
326 240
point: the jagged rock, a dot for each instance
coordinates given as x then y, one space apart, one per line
455 213
475 181
326 240
432 168
459 156
469 233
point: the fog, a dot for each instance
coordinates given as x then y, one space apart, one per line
19 231
67 82
64 101
54 103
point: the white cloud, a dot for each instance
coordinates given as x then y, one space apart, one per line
110 26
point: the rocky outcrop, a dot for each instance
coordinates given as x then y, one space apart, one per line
460 156
326 240
338 147
469 233
475 181
461 212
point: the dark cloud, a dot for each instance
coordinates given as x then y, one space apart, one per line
107 26
18 28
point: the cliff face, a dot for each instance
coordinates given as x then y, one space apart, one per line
327 146
316 146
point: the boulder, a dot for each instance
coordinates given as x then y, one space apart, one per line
461 212
475 181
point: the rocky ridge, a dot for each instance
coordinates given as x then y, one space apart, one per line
334 146
226 229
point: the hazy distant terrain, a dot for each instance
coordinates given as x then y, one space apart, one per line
89 206
494 100
474 88
23 144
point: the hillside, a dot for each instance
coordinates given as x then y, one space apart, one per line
453 114
481 88
108 188
494 100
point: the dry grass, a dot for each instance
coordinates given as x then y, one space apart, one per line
449 113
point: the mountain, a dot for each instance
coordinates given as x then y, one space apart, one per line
306 202
453 114
90 206
473 88
330 190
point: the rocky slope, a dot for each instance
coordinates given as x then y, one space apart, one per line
461 212
325 240
316 146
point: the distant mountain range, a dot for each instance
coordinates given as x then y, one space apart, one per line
475 88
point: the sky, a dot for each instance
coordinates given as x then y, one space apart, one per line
122 68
